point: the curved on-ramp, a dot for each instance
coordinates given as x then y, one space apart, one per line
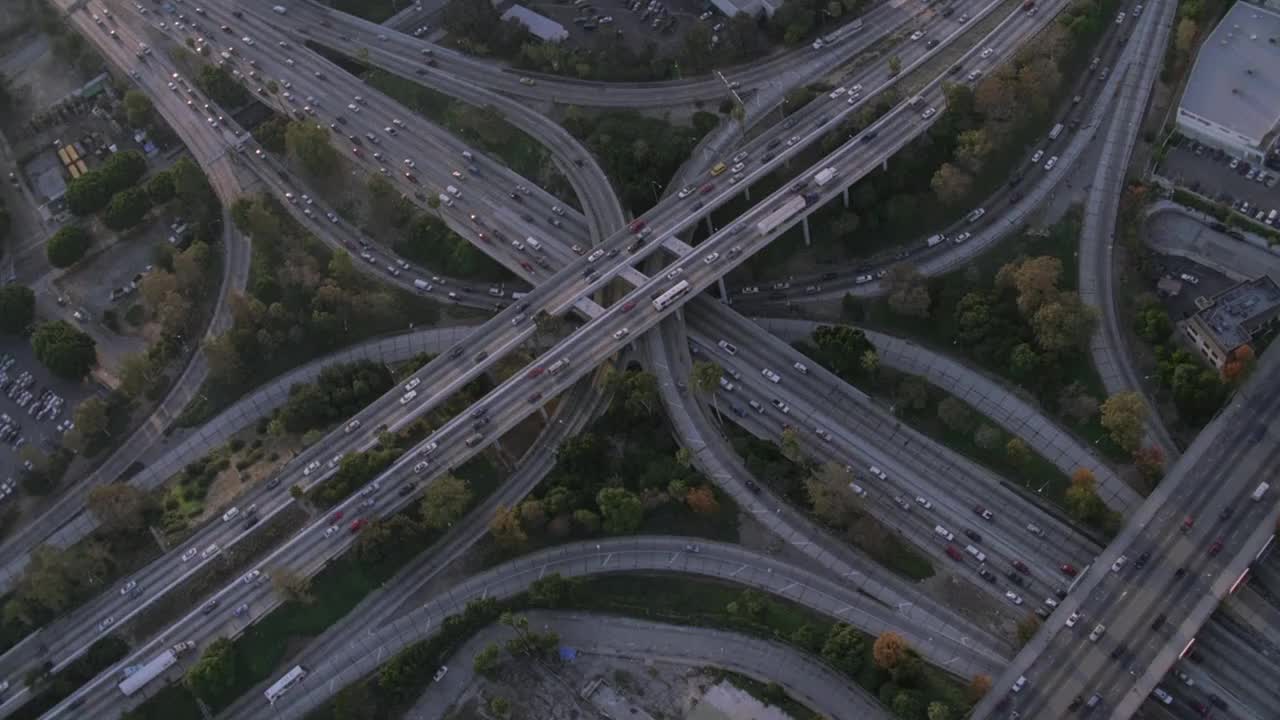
955 652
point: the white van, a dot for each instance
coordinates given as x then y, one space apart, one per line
1260 491
467 154
976 553
454 191
803 370
558 365
943 533
446 200
533 243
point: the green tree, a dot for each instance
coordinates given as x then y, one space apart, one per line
789 443
895 65
1123 416
939 710
908 291
17 309
309 144
620 510
63 349
137 108
487 660
553 591
955 414
91 417
126 209
843 349
160 187
845 648
1027 628
1081 497
506 529
988 437
830 497
951 184
500 707
444 501
1063 323
291 585
214 674
1018 453
67 246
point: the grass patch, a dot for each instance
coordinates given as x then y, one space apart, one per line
771 694
765 461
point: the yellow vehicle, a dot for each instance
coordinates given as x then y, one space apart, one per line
718 169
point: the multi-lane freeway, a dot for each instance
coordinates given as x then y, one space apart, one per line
608 328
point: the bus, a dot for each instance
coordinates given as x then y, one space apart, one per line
664 300
284 684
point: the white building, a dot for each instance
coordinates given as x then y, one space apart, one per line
541 25
1232 99
750 7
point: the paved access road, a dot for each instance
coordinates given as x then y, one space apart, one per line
801 675
1175 230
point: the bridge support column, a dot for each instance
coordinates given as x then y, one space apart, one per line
711 228
884 166
805 224
724 291
542 412
746 192
846 197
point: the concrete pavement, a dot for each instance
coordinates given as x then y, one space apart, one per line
1173 229
803 676
988 396
1141 65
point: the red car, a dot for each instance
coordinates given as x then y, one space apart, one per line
707 188
525 264
410 177
629 306
355 151
359 523
534 372
636 226
1021 567
1216 547
954 553
535 397
483 237
1188 524
335 517
1068 569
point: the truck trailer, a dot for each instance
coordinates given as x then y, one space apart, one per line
154 669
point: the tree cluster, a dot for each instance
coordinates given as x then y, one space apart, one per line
1198 391
302 301
1026 324
798 20
67 246
338 393
17 309
217 83
63 349
612 476
92 191
642 151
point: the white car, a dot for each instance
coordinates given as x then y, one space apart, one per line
711 258
333 461
728 347
1035 157
1013 597
230 514
917 35
1075 618
412 384
976 214
986 52
251 576
189 554
785 408
1160 693
686 191
878 472
330 531
128 586
928 113
836 93
1119 18
420 466
106 623
1018 684
962 237
923 502
311 467
771 375
1119 563
1052 161
621 333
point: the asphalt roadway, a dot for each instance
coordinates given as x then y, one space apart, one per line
803 677
1219 471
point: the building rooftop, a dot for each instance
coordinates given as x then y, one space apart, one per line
540 25
750 7
1234 82
1238 311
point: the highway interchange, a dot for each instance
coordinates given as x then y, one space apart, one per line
563 286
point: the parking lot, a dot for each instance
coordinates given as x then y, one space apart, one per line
35 408
1209 173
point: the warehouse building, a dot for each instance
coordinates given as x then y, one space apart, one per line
1232 98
